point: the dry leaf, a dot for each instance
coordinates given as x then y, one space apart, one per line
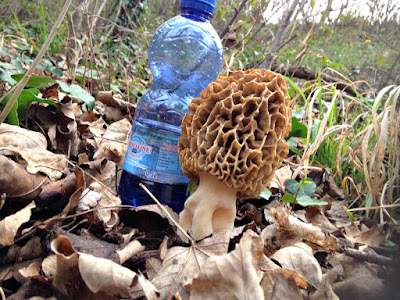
16 136
114 142
277 287
53 165
107 216
300 259
235 275
32 249
9 225
31 271
309 232
101 274
130 250
280 177
360 280
372 237
49 265
88 200
181 264
17 182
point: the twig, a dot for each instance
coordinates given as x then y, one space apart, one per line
42 52
375 207
235 15
167 214
369 257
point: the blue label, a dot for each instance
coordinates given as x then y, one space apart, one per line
153 154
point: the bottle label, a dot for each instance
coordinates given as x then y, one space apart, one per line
153 154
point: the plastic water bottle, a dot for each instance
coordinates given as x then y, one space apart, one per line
185 55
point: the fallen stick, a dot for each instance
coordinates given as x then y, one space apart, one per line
369 257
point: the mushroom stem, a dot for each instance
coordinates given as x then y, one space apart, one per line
211 208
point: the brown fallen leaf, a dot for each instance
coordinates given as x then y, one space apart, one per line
18 183
10 224
53 165
372 237
32 249
16 136
276 287
31 271
72 202
100 275
299 258
107 97
280 177
114 142
235 275
181 264
360 280
57 192
309 232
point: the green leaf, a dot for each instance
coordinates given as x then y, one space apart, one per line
293 147
298 129
266 194
35 81
307 188
288 198
368 202
305 200
190 188
5 75
292 185
20 107
78 92
315 130
352 218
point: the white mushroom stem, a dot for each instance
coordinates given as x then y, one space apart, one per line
211 208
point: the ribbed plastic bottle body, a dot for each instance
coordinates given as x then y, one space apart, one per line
185 55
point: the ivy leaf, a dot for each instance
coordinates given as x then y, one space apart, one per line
35 81
292 185
288 198
20 107
305 200
298 129
78 92
266 194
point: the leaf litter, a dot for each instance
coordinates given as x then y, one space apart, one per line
64 233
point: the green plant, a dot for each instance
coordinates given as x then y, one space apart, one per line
301 193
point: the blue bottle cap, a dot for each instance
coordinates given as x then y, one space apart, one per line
206 6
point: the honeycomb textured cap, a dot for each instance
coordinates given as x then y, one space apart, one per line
236 129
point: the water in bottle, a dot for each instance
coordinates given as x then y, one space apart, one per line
185 55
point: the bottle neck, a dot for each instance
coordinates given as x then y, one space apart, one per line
195 14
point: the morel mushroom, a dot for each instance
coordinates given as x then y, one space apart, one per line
231 144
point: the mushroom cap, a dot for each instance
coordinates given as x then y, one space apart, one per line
236 129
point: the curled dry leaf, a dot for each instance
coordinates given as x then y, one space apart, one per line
235 275
99 274
181 264
130 250
309 232
17 182
114 142
53 165
10 224
16 136
299 258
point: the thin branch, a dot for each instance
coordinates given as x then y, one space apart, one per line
20 86
279 35
232 20
369 257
